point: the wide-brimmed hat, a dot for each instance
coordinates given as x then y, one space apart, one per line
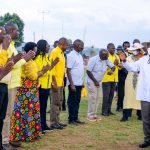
135 47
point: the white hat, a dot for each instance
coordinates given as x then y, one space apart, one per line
135 47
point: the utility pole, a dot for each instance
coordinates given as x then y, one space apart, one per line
43 21
84 33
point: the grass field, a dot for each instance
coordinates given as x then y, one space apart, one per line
107 134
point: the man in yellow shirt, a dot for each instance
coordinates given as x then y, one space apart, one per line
58 73
109 82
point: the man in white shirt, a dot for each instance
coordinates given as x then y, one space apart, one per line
96 69
75 73
143 91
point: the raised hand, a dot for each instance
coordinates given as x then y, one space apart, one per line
6 69
6 42
110 72
122 56
116 62
28 56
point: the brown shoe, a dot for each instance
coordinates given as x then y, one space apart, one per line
92 119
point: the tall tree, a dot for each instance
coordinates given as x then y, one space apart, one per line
15 19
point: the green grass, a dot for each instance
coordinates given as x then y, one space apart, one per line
107 134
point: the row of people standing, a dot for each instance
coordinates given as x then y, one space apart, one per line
31 79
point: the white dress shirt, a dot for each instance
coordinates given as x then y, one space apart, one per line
143 67
75 63
98 68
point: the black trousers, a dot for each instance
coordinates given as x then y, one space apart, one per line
108 94
146 119
73 103
121 92
43 97
128 113
3 107
121 87
64 96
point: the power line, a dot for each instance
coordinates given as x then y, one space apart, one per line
43 21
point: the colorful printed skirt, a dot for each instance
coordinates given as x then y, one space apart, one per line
25 120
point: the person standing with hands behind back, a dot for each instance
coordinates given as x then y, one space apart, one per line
58 73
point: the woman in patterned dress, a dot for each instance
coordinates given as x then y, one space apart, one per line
25 120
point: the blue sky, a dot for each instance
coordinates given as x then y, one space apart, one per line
97 22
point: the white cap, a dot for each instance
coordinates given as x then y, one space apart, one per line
135 47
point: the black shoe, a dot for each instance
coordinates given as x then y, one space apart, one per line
111 113
140 118
123 120
49 129
105 114
15 143
80 122
43 132
73 123
144 145
64 108
57 126
119 109
62 124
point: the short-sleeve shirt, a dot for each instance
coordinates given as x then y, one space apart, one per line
98 68
59 70
114 76
75 63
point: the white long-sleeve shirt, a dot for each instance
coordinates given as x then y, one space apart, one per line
143 67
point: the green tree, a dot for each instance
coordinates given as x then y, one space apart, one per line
15 19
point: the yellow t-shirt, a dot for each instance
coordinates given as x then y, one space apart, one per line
59 70
16 71
45 80
114 76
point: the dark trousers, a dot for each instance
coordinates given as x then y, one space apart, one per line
73 103
43 97
121 92
64 101
128 113
64 96
146 119
108 94
121 87
3 107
